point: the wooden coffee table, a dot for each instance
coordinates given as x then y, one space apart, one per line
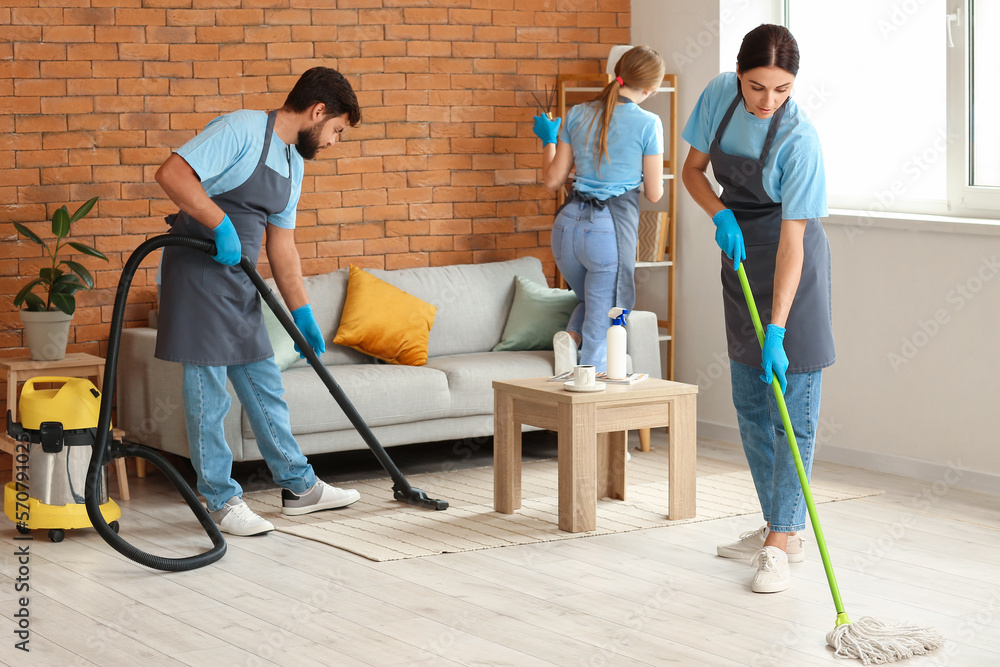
592 428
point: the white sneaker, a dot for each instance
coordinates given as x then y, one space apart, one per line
321 496
773 574
752 541
565 352
236 518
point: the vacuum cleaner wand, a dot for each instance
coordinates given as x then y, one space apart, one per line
103 453
401 489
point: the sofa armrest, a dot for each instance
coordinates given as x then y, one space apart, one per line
149 402
644 343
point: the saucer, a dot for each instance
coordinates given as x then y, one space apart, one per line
572 386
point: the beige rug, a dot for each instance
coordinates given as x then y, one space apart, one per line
381 529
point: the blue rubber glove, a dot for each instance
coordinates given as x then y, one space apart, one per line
227 243
306 322
729 236
547 130
773 356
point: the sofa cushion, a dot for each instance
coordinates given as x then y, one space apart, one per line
473 300
538 312
282 344
470 376
384 321
326 294
381 393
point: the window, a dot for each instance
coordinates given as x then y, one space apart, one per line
974 173
891 86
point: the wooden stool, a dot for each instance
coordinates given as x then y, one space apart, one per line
74 364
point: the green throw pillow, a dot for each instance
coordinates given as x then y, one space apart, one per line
538 312
283 345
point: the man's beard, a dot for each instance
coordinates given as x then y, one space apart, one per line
307 143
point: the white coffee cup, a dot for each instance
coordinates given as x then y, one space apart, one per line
584 376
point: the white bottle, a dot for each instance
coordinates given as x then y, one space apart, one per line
617 344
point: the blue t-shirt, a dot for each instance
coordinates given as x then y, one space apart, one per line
793 172
225 154
632 133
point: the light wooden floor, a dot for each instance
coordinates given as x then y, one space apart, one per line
923 552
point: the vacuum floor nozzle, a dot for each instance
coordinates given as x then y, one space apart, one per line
418 497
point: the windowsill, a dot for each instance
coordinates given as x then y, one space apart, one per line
913 222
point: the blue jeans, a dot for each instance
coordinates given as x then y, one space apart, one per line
206 403
765 444
586 252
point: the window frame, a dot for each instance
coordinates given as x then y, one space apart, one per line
962 199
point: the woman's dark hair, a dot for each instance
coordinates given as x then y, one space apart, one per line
769 45
327 86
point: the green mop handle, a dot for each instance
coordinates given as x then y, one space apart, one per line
799 468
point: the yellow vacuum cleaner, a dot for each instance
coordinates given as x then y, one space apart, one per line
55 439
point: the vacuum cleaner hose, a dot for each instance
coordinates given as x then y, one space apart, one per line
98 457
402 490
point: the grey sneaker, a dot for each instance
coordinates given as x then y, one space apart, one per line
752 541
565 352
321 496
236 518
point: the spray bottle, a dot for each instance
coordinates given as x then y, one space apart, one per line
617 344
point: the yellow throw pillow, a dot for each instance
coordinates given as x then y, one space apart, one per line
384 321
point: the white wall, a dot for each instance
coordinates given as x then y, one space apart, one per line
931 411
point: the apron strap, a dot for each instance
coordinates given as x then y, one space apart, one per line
729 115
271 115
772 128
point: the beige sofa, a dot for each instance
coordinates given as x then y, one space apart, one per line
449 398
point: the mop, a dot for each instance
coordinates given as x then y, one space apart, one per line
869 640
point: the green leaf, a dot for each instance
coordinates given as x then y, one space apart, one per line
87 250
81 271
24 231
67 284
50 276
60 222
35 304
83 210
26 291
64 302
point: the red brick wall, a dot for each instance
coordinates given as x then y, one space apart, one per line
443 170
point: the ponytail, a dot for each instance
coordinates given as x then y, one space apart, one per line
640 67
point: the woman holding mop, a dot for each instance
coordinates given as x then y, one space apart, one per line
616 147
766 156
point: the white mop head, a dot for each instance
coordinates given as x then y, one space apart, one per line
875 642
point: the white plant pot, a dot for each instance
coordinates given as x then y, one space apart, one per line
46 333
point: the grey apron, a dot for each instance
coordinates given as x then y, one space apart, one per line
209 312
624 210
809 329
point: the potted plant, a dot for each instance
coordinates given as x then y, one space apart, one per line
46 320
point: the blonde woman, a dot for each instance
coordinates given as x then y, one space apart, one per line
616 147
